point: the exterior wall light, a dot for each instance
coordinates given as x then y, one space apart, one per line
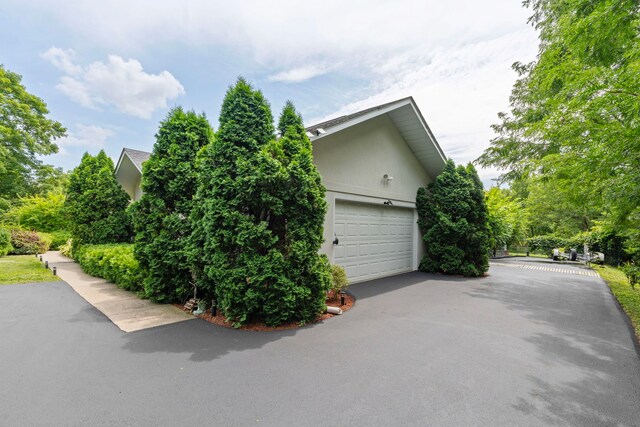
386 178
388 203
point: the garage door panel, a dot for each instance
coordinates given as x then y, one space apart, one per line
378 240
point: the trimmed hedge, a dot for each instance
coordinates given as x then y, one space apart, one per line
112 262
27 242
547 243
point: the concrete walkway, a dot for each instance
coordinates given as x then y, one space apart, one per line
123 308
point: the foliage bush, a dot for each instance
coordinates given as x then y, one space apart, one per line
96 203
66 248
59 238
25 242
38 212
5 242
112 262
339 280
453 217
632 272
259 216
160 217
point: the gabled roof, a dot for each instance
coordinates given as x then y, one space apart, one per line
406 117
137 157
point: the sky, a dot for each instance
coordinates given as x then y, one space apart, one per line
110 71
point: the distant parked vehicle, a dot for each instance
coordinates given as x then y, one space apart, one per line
572 255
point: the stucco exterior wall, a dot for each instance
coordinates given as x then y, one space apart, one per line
137 190
352 164
128 176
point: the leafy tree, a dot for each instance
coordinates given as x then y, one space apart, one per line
508 220
259 215
25 132
452 215
574 112
37 212
96 204
161 215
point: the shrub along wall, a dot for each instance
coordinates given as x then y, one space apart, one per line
114 263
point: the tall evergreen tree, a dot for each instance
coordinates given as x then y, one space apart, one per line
452 215
161 216
257 250
96 204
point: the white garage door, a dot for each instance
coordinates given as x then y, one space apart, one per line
374 240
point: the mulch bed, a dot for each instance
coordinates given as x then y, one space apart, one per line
349 301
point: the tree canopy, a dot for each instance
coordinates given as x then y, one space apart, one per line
161 216
25 132
572 137
96 204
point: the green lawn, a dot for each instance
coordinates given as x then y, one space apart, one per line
24 269
628 298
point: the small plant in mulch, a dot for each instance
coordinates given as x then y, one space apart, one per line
339 282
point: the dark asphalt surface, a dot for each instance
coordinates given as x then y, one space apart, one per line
518 347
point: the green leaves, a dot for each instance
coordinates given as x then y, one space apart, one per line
161 216
25 132
573 134
258 218
96 204
453 218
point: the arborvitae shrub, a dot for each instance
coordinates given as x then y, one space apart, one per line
96 204
452 215
259 215
161 215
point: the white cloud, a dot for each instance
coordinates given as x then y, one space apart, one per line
300 74
118 82
453 57
63 59
459 90
86 136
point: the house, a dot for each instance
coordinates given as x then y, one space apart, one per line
372 163
129 171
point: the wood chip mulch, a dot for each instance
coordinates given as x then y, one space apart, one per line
261 327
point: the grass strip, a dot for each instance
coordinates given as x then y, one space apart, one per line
15 269
628 297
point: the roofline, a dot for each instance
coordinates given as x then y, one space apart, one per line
427 128
122 154
384 109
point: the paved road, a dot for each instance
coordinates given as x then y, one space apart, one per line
520 347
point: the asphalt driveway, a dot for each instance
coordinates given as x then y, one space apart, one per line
519 347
